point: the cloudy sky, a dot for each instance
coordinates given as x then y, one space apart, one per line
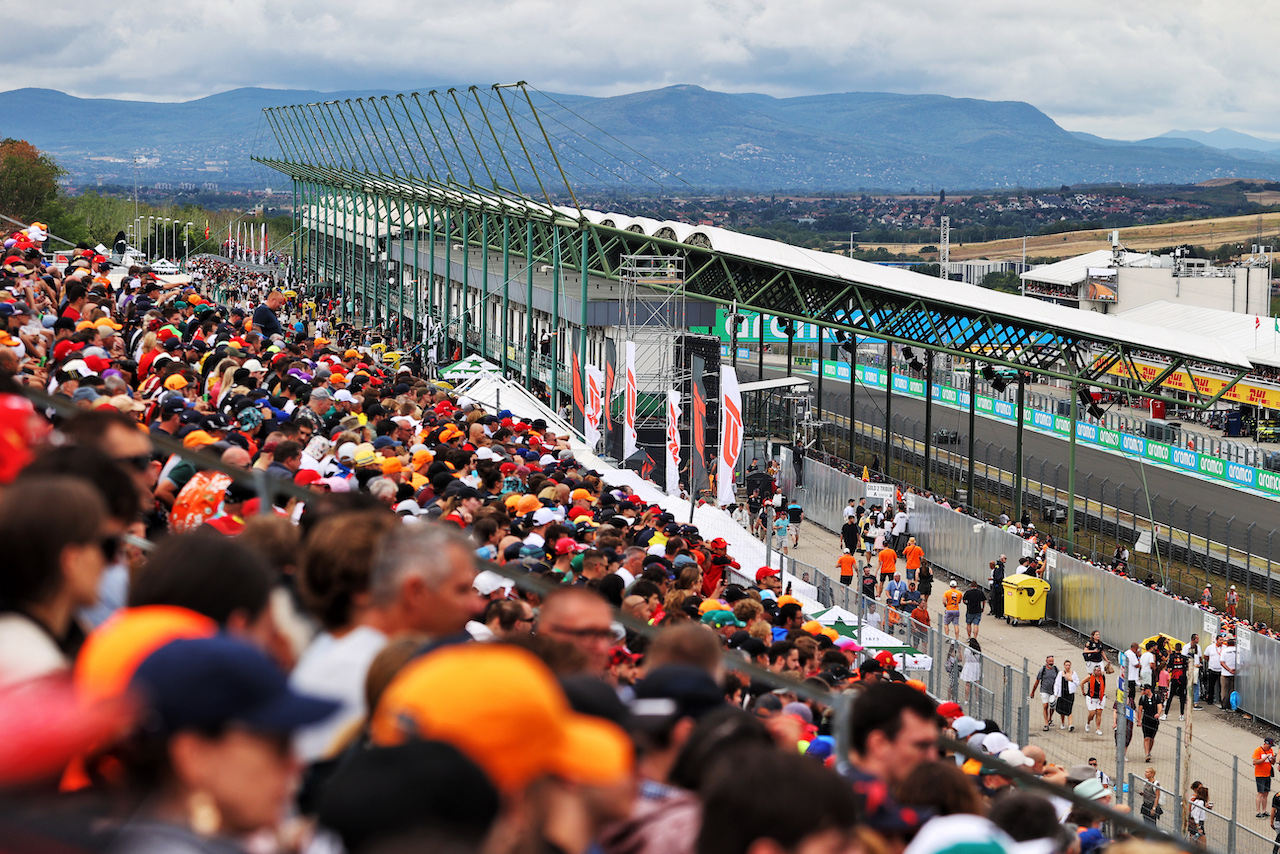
1122 69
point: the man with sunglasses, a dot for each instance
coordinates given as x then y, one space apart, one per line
582 619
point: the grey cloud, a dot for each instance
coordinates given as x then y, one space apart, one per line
1126 69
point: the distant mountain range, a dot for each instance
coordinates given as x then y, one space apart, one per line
712 140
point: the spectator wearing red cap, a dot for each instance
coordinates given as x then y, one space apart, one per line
768 578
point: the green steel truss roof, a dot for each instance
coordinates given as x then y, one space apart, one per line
757 274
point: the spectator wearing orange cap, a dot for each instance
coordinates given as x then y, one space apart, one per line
563 774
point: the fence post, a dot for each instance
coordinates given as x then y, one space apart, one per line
1024 704
1177 780
1269 536
1208 531
1088 490
1268 591
1248 565
1102 507
1235 797
1008 698
1228 552
1190 568
1133 519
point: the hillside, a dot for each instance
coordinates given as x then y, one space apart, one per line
830 143
1210 233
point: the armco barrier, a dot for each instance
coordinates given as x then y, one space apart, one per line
1213 468
1081 597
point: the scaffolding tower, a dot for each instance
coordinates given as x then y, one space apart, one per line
652 315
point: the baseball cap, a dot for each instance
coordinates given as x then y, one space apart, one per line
996 743
207 682
197 439
1015 757
566 546
113 651
690 690
306 477
764 572
950 710
953 583
720 619
502 707
543 516
966 726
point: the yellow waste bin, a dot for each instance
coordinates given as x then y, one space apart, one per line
1025 598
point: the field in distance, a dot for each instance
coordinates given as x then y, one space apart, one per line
1209 233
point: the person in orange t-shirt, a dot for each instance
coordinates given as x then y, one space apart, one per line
951 610
914 555
846 562
888 566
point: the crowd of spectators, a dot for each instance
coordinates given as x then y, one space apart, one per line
408 622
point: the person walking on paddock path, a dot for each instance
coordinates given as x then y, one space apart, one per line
846 563
914 556
974 600
888 560
1095 692
1046 679
1149 709
951 610
1065 688
1264 768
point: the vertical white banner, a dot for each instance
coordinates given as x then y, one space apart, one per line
730 434
594 407
673 442
629 444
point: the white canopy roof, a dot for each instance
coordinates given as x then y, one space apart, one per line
1073 271
962 297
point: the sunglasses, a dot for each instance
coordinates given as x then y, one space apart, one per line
138 462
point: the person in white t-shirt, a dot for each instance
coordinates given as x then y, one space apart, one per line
1213 668
1133 669
1147 665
